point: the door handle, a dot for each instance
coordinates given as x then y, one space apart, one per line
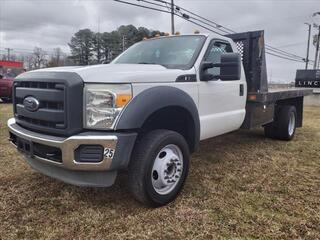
241 90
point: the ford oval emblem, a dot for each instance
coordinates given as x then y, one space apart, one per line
31 104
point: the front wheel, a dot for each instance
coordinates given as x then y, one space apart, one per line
159 167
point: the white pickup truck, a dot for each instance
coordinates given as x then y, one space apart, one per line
147 111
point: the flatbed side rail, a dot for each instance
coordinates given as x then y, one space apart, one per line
275 95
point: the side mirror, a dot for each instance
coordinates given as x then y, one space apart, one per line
204 76
230 67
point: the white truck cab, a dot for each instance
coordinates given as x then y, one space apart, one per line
147 111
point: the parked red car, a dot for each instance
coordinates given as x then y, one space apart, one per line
8 71
6 89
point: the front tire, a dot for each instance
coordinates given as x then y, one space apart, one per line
159 167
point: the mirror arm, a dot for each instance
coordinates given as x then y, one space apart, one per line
206 65
217 64
228 64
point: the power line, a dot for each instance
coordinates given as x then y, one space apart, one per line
277 51
181 16
156 4
232 31
291 44
138 5
282 51
184 16
200 25
25 50
178 8
160 10
279 56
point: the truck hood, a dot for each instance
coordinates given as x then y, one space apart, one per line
122 73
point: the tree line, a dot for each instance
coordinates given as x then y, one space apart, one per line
39 58
88 47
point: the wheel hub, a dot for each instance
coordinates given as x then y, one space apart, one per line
292 123
167 169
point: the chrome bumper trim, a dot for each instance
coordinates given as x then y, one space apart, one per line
67 146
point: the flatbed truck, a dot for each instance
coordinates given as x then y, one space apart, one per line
146 112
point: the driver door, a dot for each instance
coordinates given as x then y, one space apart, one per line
221 103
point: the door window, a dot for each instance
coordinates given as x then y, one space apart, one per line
214 55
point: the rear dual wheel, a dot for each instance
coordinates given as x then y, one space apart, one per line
159 167
284 127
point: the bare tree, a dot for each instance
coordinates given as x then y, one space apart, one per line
58 58
39 58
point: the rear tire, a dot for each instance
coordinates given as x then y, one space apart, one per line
159 167
287 122
284 127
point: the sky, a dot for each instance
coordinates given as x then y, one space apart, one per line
48 24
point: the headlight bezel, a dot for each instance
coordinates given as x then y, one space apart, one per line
116 90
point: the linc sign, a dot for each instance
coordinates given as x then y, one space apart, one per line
308 78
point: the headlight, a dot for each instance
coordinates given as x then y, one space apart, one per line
103 104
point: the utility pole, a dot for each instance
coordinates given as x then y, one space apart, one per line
172 17
317 49
8 53
98 42
309 33
318 41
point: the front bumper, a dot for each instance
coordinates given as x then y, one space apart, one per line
72 171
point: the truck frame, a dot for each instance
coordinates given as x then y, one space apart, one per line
145 113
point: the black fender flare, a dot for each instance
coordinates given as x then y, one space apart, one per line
153 99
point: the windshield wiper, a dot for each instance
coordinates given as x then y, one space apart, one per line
150 63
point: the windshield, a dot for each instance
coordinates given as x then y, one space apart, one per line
170 52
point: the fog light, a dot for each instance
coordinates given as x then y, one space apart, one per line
89 153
